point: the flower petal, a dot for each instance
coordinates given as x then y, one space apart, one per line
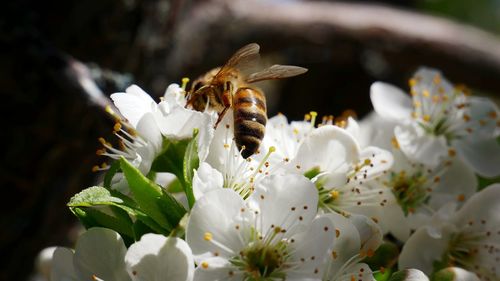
421 147
133 104
100 252
374 162
216 269
156 257
421 250
62 265
409 275
370 234
329 148
390 102
457 184
455 274
206 179
481 209
347 243
483 156
283 201
212 224
312 247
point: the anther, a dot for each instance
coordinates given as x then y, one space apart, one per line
184 80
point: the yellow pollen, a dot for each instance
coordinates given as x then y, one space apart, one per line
226 145
207 236
353 278
413 92
368 161
204 265
295 131
492 114
435 99
437 179
414 115
307 117
370 253
452 152
417 104
466 117
334 255
184 80
461 197
412 82
337 233
109 110
426 118
95 168
394 143
117 127
426 93
313 117
437 79
272 149
334 194
277 229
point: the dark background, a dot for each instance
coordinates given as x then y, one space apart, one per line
50 51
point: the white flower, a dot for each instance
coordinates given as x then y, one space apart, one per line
274 234
285 137
441 119
410 275
456 274
147 123
100 254
468 239
341 171
419 190
356 238
156 257
225 160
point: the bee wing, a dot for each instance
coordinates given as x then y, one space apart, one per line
276 72
244 59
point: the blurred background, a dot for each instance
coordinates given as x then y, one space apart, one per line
60 61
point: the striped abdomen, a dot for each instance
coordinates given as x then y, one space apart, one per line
250 117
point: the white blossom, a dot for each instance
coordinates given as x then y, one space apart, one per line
467 238
441 119
274 234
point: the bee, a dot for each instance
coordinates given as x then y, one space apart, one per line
230 86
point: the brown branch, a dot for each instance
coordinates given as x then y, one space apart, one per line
404 39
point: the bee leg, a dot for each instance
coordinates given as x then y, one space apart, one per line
226 100
221 115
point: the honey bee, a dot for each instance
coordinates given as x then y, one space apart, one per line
229 87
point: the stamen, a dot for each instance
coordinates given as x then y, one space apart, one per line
313 117
184 80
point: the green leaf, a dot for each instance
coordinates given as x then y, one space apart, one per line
146 193
175 186
113 169
104 217
179 157
152 199
191 163
91 196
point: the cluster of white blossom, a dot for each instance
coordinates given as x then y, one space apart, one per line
346 200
